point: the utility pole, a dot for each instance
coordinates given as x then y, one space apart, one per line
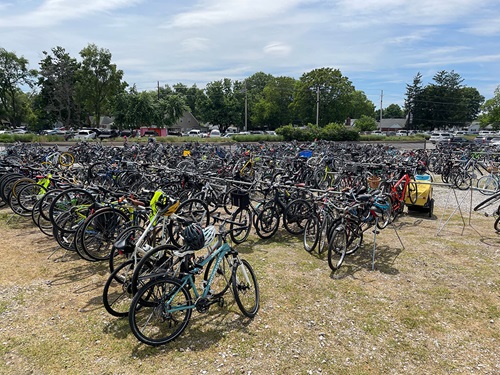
246 109
381 96
317 105
158 89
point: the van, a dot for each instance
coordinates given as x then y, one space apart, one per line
194 133
401 133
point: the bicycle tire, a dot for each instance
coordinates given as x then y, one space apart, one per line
68 200
245 288
117 293
150 318
412 192
496 225
100 231
29 195
487 185
66 159
311 234
295 216
240 225
154 263
337 248
268 222
222 278
488 201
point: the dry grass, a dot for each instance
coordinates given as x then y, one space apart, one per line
431 307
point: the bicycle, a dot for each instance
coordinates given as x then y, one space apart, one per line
161 310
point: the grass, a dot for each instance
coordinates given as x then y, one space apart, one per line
430 307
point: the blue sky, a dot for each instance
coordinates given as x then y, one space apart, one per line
378 44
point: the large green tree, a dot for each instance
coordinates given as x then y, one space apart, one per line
444 103
14 73
324 93
98 81
273 108
222 104
393 111
412 110
57 82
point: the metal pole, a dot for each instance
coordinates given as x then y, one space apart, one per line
246 109
317 105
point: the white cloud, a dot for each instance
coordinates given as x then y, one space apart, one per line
277 49
53 12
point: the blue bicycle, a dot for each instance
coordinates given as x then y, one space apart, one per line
161 309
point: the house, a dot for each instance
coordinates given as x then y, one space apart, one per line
391 124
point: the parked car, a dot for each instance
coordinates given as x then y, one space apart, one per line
455 141
85 134
402 133
108 133
440 137
485 140
194 133
214 133
377 132
495 141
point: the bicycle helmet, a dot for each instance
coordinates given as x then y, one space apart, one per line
209 234
194 238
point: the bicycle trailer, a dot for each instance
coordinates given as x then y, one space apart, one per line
420 200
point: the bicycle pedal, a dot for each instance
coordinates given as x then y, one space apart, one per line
376 231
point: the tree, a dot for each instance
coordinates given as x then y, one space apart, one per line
222 105
98 81
273 108
491 111
327 88
412 92
444 103
393 111
14 73
366 124
360 105
57 82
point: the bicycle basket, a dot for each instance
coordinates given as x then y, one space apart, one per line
305 154
240 198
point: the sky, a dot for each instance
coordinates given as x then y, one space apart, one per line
379 45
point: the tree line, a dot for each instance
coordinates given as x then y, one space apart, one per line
76 93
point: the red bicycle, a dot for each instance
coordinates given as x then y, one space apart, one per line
401 190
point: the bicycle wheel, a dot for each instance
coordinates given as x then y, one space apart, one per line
268 222
412 192
487 185
29 195
295 216
221 279
496 225
241 224
100 231
157 262
75 200
311 234
488 201
117 293
66 159
160 312
245 288
337 248
384 204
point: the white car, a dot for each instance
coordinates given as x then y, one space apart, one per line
85 134
440 137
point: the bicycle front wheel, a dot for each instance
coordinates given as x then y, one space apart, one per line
337 248
487 185
160 312
246 289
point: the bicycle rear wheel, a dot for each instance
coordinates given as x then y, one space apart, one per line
487 185
117 293
160 312
241 224
268 222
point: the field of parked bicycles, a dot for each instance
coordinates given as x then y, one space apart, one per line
301 266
